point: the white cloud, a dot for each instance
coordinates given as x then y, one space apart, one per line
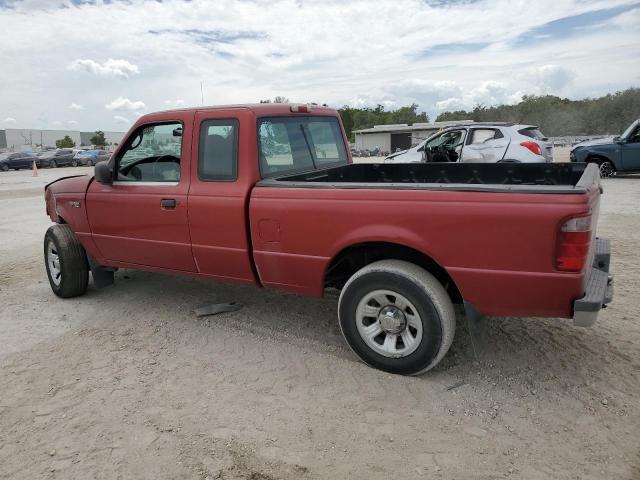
72 122
121 119
550 78
10 121
122 103
174 103
110 68
399 52
76 106
56 123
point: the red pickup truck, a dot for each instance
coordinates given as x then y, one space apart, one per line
267 195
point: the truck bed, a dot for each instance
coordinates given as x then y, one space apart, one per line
508 177
492 227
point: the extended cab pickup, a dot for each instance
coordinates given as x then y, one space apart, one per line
267 195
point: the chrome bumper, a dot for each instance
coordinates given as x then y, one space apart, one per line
599 288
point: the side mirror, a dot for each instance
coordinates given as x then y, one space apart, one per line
103 173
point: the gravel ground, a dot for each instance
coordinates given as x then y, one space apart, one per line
126 382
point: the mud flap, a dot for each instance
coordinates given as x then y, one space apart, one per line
102 277
477 325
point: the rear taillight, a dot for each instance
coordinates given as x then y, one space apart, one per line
533 146
574 239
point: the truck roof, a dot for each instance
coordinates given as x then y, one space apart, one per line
260 109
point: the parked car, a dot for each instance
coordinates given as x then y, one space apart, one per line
614 154
480 143
403 243
91 157
17 160
57 158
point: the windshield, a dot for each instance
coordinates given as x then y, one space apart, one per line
299 143
628 131
4 156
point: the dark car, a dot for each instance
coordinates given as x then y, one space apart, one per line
91 157
57 158
614 154
17 160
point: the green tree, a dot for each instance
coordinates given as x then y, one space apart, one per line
98 139
277 99
65 142
359 118
607 115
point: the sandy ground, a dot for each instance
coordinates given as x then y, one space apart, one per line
126 382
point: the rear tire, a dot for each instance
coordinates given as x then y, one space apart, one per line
4 168
397 317
74 163
53 164
66 262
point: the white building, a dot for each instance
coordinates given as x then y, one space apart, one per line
26 139
390 138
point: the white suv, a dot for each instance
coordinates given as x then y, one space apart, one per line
480 143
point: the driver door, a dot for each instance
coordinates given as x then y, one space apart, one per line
141 218
630 151
446 147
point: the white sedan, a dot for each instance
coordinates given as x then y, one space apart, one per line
480 143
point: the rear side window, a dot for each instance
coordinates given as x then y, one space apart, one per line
218 151
299 143
481 135
532 133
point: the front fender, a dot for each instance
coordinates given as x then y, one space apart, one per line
610 152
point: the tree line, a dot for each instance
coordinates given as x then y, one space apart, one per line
607 115
555 116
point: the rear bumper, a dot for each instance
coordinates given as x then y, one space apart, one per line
599 288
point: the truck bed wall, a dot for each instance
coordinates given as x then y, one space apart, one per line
498 247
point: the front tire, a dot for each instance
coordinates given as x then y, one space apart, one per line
74 163
607 169
53 164
4 168
397 317
66 262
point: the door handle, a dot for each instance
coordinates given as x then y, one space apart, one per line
167 203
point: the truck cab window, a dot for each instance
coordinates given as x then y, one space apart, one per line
152 154
218 151
299 143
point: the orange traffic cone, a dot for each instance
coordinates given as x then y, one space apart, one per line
35 169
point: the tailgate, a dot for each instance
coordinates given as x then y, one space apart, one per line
590 181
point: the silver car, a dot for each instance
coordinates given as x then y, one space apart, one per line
480 143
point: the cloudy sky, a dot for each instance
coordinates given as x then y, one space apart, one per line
99 65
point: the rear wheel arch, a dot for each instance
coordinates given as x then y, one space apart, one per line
354 257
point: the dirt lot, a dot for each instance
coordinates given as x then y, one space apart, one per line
125 382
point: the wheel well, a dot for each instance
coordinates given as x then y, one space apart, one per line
353 258
599 159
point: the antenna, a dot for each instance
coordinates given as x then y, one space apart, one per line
201 94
